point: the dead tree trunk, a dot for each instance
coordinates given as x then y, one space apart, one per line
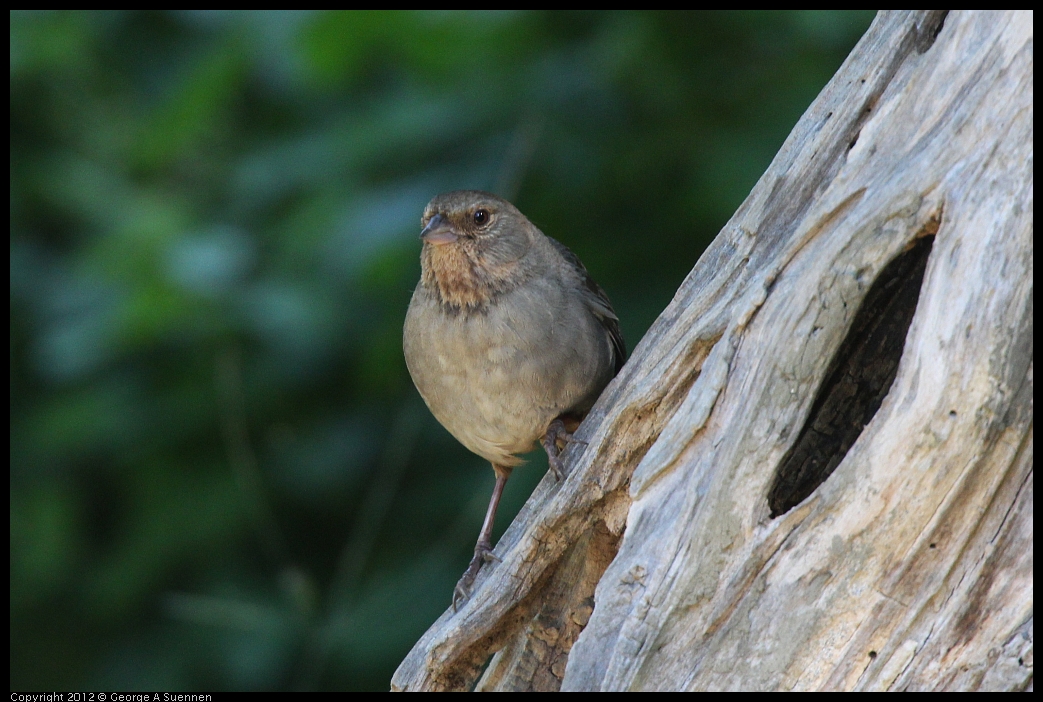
815 472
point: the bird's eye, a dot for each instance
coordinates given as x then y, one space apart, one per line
481 217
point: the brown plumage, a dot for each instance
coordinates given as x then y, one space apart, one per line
507 337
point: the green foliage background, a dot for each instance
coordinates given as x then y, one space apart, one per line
221 475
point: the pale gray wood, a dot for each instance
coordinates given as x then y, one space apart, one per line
656 565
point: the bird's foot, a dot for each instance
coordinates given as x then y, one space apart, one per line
483 553
557 434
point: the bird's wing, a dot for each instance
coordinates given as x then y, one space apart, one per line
597 301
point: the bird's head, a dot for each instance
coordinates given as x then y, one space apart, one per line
473 243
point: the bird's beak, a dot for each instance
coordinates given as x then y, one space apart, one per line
438 231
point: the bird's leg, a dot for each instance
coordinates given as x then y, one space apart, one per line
556 433
483 550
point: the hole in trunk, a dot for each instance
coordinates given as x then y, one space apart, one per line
858 379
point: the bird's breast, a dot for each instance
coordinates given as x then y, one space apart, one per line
496 378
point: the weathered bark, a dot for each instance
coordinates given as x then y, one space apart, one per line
815 472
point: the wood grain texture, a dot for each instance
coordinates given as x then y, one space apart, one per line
910 566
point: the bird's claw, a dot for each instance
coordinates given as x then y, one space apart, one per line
556 467
556 433
462 591
483 553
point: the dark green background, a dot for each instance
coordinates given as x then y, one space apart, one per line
221 475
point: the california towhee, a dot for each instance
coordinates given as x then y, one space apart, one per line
507 338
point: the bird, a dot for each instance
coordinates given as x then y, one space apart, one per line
507 338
